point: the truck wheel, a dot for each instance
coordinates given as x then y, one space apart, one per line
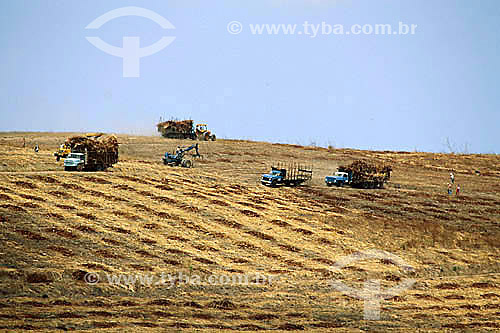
58 158
187 163
79 167
213 137
67 168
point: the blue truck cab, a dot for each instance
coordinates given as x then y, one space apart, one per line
274 178
338 179
74 161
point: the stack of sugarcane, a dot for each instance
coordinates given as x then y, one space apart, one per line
94 143
173 128
364 173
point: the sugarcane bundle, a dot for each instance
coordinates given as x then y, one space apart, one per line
363 172
176 128
99 144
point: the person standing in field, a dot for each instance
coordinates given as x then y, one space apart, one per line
458 189
449 189
452 177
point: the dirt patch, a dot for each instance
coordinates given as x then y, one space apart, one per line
232 224
281 223
85 228
177 251
127 303
104 324
100 314
148 241
126 215
481 285
247 246
293 263
161 302
240 260
60 194
40 277
112 241
250 213
454 297
288 247
172 262
326 241
24 184
177 238
325 261
106 254
124 187
31 197
30 205
163 215
260 235
30 235
203 247
271 255
448 285
224 304
45 179
61 250
164 187
96 180
87 216
72 186
65 207
145 253
14 208
95 267
291 327
205 261
303 231
86 203
263 316
5 197
120 230
219 203
61 302
151 226
143 268
427 297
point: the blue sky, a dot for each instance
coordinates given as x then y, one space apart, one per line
361 91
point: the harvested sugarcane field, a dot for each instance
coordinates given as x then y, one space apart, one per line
148 246
250 166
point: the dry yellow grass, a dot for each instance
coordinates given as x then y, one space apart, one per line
144 217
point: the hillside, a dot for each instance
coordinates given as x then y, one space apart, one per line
141 217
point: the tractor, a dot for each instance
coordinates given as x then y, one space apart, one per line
203 134
178 158
63 151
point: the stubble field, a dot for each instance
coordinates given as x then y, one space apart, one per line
143 218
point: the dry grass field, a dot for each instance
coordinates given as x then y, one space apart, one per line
141 217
